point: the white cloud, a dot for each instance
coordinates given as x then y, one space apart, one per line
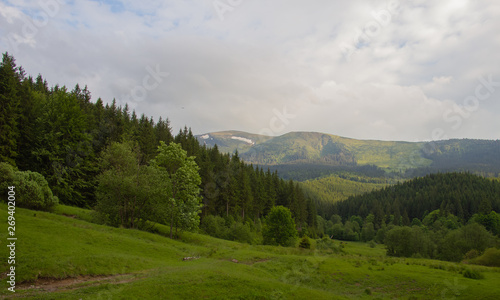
264 56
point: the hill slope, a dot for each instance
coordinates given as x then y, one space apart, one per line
109 263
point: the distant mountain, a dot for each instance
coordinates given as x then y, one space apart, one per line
320 154
230 141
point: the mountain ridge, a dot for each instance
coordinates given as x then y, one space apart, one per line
300 148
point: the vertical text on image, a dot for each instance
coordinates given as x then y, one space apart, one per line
11 238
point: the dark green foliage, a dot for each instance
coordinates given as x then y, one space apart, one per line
459 194
129 194
368 232
490 221
473 274
407 241
241 233
441 242
214 226
7 177
305 243
219 227
10 88
458 242
280 227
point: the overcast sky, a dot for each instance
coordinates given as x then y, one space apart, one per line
391 70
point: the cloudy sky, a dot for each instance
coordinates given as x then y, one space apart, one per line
391 70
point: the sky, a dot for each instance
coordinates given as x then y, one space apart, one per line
416 70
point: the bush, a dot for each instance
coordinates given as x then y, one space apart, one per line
472 254
7 176
326 244
305 243
458 242
240 232
473 274
490 258
214 226
32 190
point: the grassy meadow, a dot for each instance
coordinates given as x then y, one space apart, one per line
63 256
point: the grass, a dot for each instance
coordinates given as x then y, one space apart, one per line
120 263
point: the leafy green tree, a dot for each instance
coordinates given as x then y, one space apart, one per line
280 227
128 193
490 221
368 232
183 202
458 242
399 241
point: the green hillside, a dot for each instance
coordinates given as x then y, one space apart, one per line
109 263
334 150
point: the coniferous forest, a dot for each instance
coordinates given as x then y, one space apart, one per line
63 134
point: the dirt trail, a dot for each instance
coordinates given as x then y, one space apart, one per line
54 285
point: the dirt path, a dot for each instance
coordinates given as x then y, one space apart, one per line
55 285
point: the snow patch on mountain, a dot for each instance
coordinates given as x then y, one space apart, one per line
239 138
206 136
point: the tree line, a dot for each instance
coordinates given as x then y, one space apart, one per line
66 137
460 194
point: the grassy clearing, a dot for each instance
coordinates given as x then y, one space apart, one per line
103 263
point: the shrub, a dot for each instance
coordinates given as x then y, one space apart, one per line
7 175
305 243
473 274
240 232
326 244
472 254
490 258
458 242
32 190
214 226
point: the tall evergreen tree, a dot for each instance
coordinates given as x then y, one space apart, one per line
9 108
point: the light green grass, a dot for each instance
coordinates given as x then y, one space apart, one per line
56 246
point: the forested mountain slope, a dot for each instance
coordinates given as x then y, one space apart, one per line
460 194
